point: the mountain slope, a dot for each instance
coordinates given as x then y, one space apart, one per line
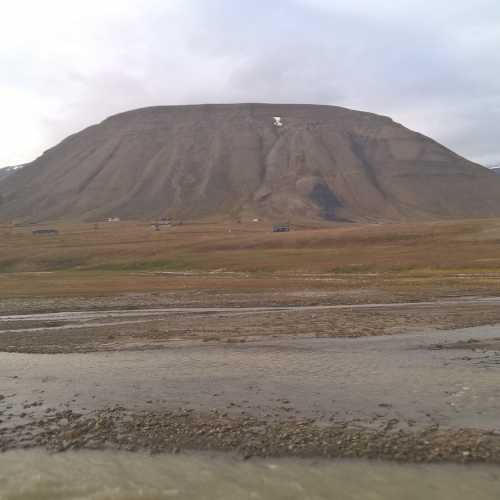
192 161
5 171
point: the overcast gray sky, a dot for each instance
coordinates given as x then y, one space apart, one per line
433 66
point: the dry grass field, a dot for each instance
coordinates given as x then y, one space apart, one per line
412 260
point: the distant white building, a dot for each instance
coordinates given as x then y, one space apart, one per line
277 121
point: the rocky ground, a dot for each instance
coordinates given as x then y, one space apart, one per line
173 431
155 321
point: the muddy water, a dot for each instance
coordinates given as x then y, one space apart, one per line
370 380
122 476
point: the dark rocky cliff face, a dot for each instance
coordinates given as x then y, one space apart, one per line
193 161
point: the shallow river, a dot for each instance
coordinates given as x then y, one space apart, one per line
372 379
110 475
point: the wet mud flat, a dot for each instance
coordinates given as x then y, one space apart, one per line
394 397
130 326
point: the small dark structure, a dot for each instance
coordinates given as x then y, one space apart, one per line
281 228
51 232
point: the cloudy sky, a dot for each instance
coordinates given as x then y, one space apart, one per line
435 67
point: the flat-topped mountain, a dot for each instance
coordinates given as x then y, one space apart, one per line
274 160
